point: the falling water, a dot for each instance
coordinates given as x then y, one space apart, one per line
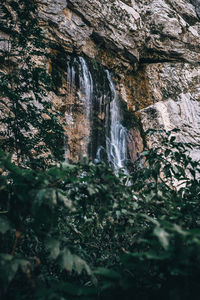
80 89
86 86
116 142
71 75
85 81
105 136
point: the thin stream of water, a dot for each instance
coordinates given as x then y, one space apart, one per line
115 134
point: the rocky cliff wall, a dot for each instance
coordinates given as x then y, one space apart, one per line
129 31
152 49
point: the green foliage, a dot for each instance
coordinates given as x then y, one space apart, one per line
29 125
168 268
80 232
164 259
31 206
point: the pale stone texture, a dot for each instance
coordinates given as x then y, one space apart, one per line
134 30
4 41
178 94
151 46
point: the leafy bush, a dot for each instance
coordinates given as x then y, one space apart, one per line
80 232
164 259
56 220
165 266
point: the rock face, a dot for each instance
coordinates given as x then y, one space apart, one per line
196 3
130 30
152 49
175 92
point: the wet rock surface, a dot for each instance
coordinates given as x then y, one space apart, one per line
152 49
152 46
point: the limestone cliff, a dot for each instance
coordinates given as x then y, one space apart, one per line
152 49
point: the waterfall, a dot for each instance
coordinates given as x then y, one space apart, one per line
116 142
103 137
85 83
71 76
86 86
80 95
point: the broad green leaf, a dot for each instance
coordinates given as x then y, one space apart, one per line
163 236
154 256
46 196
64 199
67 260
79 264
71 262
54 247
4 224
107 273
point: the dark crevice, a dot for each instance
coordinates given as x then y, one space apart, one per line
130 57
72 8
157 61
103 43
191 20
153 56
196 4
106 44
98 40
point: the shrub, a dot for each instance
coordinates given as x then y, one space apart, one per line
80 232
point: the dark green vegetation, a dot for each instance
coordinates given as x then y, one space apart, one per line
78 231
